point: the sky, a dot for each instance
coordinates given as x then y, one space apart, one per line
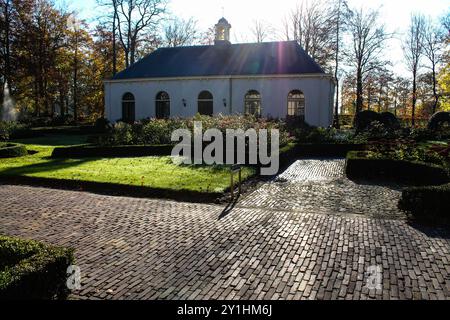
242 13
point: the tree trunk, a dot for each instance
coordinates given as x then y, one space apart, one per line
75 81
7 44
114 39
414 99
435 95
336 105
359 91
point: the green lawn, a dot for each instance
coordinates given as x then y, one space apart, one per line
155 172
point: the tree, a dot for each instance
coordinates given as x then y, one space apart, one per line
312 25
260 30
433 41
179 32
400 94
413 48
6 13
341 11
368 39
135 20
207 37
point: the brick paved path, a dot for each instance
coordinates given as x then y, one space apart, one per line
320 186
148 249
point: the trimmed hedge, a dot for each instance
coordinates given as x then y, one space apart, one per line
416 173
33 270
112 152
327 149
429 203
11 150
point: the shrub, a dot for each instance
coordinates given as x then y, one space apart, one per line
32 270
112 151
439 120
102 125
13 130
428 204
159 131
408 150
10 150
364 119
368 165
389 120
376 125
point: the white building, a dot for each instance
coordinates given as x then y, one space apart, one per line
273 79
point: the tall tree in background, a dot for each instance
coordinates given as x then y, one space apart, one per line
413 48
340 13
260 30
368 39
312 25
180 32
6 13
135 19
433 43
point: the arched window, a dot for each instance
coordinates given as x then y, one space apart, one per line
253 103
162 105
128 107
296 104
205 103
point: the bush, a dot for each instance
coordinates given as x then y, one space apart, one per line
323 135
102 125
13 130
32 270
159 131
408 150
439 120
381 123
389 120
10 150
363 165
112 151
364 119
428 204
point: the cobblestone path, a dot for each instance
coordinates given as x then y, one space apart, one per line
320 186
292 248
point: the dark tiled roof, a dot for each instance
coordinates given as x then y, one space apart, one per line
270 58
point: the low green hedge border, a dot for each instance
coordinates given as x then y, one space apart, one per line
112 152
429 203
11 150
327 149
299 149
33 270
415 173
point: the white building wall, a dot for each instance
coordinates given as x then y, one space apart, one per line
318 91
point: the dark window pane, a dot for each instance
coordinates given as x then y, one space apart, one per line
252 103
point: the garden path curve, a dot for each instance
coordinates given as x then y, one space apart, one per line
287 240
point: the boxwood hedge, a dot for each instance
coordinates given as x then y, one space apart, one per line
428 203
112 152
33 270
11 150
415 173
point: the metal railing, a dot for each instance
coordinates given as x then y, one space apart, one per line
235 169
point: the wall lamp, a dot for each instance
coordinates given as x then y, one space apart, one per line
225 102
184 102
